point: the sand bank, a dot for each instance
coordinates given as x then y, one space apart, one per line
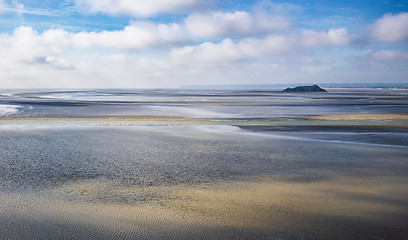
399 120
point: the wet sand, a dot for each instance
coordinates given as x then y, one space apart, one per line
345 122
198 103
260 208
203 182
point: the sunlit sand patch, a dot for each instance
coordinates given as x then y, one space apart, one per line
260 203
400 120
264 203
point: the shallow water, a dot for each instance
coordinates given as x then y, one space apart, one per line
198 103
47 157
353 134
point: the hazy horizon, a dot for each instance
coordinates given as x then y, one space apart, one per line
255 86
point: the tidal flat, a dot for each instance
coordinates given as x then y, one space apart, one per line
338 173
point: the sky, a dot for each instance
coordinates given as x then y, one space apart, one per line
172 43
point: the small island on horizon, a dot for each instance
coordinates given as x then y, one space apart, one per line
313 88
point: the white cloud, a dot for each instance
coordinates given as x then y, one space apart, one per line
390 65
144 34
56 39
138 35
23 44
334 37
209 52
114 58
136 8
230 51
313 69
239 23
391 28
211 47
58 62
2 6
30 59
388 56
19 8
249 48
319 61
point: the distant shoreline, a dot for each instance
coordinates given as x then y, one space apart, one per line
175 118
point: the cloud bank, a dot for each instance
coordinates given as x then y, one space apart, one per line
255 45
391 28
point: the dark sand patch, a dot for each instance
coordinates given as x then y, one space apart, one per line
330 128
360 117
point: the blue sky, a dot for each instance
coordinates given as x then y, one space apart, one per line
161 43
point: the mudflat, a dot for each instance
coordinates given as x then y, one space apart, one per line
206 182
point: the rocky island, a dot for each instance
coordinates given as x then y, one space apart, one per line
313 88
